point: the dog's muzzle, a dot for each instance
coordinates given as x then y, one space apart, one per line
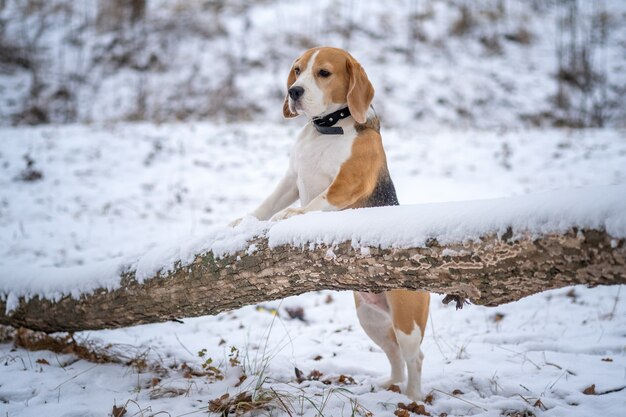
295 93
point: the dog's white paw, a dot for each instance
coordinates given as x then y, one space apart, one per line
415 395
287 213
389 381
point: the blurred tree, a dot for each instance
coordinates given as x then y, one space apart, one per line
114 14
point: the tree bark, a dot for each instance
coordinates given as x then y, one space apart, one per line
490 272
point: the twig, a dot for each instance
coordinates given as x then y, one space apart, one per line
557 380
460 399
561 368
435 338
183 346
611 390
554 364
524 354
282 403
73 377
612 313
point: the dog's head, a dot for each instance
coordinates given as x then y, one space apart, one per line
324 80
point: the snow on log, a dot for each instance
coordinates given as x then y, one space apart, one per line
489 251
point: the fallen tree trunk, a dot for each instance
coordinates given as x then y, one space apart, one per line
490 271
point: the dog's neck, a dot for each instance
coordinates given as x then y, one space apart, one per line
326 124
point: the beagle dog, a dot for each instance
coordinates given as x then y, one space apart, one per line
338 162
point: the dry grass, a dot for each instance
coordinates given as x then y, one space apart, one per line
464 23
521 35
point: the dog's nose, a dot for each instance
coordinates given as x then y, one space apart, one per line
296 92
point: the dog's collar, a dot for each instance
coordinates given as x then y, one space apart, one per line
324 124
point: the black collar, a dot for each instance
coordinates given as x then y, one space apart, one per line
324 124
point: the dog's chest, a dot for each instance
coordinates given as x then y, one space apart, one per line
316 160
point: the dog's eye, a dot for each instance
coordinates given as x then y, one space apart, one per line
296 71
324 73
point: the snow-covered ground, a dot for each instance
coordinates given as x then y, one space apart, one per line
108 192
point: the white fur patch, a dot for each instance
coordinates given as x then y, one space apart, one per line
413 357
316 160
312 101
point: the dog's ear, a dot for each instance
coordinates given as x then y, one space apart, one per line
360 91
290 80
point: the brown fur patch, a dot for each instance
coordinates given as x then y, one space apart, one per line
335 87
371 123
359 174
409 308
360 91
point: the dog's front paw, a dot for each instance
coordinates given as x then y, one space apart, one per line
287 213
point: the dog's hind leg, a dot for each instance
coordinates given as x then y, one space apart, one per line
413 357
409 312
374 317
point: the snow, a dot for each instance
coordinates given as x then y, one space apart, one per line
491 362
139 195
412 225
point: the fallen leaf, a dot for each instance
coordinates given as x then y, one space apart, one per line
498 317
414 407
218 404
317 358
539 404
519 413
166 392
590 390
329 299
607 360
443 415
189 372
315 375
421 410
118 411
457 392
299 375
458 300
394 388
241 379
401 413
346 380
42 361
296 313
429 399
